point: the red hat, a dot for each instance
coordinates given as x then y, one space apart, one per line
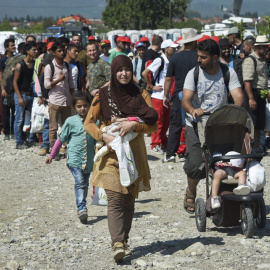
176 42
92 38
216 39
105 42
49 45
121 38
45 40
204 37
128 40
144 39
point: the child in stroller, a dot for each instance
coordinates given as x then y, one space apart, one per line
233 168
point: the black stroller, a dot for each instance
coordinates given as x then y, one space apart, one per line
229 127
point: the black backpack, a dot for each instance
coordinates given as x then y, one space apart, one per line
237 65
226 77
45 91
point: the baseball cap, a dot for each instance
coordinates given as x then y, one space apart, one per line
105 42
204 37
168 43
233 30
216 39
140 44
127 39
49 45
224 42
92 38
121 38
144 39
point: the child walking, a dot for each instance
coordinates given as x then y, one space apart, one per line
80 150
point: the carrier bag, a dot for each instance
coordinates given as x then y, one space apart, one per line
255 176
27 119
99 196
267 116
127 168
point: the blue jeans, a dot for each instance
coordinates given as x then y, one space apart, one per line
81 186
19 118
45 135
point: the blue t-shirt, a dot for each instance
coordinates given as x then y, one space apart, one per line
3 62
137 70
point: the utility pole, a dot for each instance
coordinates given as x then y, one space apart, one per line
170 14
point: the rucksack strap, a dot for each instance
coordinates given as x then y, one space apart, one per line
226 75
161 67
136 64
254 60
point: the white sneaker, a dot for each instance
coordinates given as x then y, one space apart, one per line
242 190
215 203
158 150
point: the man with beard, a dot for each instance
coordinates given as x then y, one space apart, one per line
225 52
208 94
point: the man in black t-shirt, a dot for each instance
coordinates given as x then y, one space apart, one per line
179 65
151 54
10 48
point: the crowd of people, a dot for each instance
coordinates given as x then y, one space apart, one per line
152 88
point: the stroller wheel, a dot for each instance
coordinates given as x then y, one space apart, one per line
261 219
200 215
247 222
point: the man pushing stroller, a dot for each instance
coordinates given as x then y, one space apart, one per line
206 88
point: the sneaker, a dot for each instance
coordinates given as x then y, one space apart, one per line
242 190
57 157
170 159
22 146
127 249
30 144
158 150
181 157
43 152
83 216
6 138
118 252
215 203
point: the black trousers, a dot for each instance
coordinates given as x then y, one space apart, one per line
175 127
7 124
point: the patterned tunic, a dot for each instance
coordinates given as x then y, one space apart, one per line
98 74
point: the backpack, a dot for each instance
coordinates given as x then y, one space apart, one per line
45 91
151 77
10 64
226 77
237 65
9 84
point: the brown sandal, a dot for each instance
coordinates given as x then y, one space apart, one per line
189 196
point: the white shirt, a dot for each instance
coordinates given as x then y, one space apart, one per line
154 67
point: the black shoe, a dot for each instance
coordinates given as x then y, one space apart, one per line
22 146
57 157
267 142
30 144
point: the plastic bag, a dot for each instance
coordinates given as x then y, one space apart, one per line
99 196
267 116
37 123
255 176
127 168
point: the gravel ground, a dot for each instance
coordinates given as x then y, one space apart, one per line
39 228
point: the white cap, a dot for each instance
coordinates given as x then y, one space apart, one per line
168 43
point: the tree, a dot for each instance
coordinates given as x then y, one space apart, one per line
141 14
5 26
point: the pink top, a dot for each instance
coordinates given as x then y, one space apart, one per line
56 148
59 94
133 118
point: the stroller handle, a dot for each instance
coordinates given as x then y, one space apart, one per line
198 118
